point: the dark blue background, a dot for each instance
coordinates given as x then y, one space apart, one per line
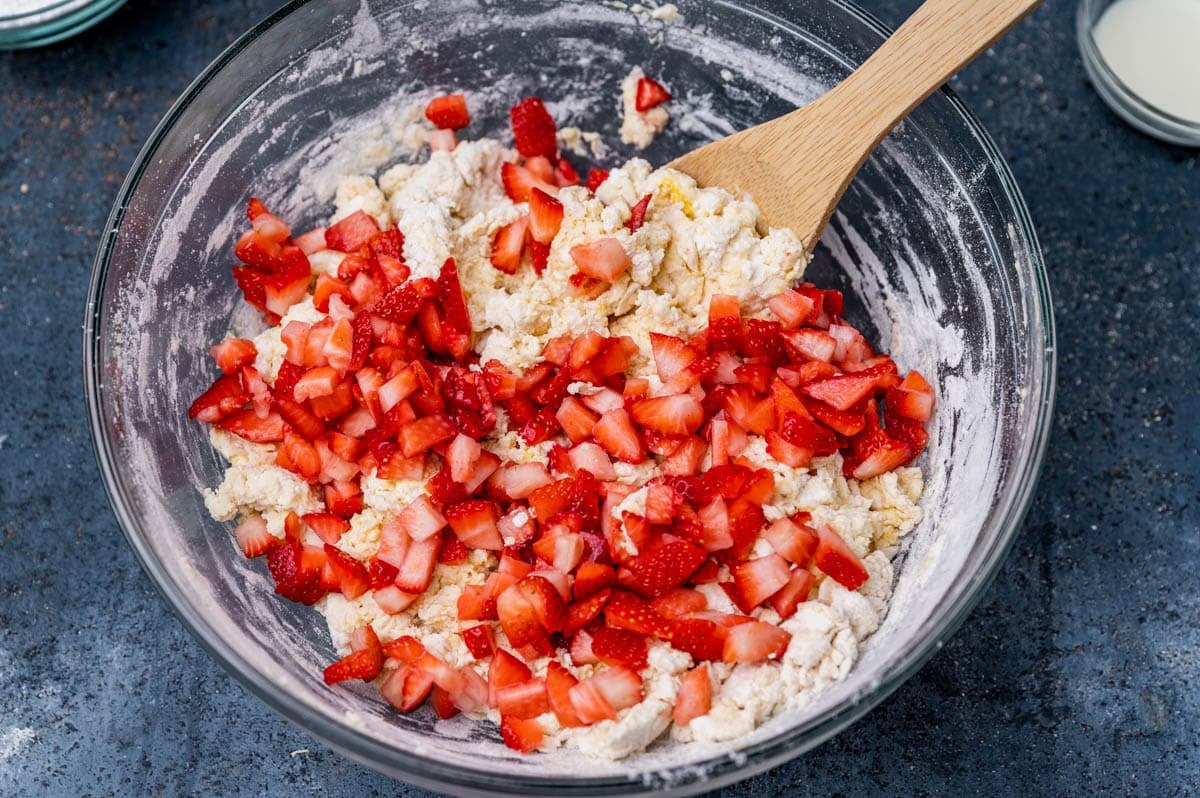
1077 673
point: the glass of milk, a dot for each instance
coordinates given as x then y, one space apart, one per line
1143 57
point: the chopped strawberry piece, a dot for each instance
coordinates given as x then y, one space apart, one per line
801 432
910 404
595 177
809 344
755 641
694 697
626 611
505 670
678 602
620 647
442 703
559 682
349 234
700 637
841 392
603 259
793 541
791 308
664 566
448 112
343 498
420 519
253 537
480 641
836 559
637 214
591 578
406 688
349 574
545 216
615 432
232 354
534 131
793 593
381 574
224 398
671 415
874 452
759 579
724 323
520 735
650 94
524 700
249 425
406 649
419 562
366 663
424 433
474 523
328 527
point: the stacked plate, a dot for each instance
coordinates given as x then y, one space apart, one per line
31 23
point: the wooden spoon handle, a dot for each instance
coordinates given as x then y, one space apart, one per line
798 166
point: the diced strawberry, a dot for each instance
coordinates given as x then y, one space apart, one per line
520 735
801 432
909 404
232 354
795 542
545 216
591 578
874 452
589 703
519 183
694 697
793 593
419 562
525 699
836 559
844 422
809 344
442 703
224 398
424 433
559 682
650 94
298 456
565 174
420 519
671 415
687 458
406 688
751 413
520 618
620 647
448 112
476 603
319 381
249 425
755 641
520 481
505 670
480 641
328 527
380 573
581 648
474 522
664 566
575 419
791 308
253 537
365 663
604 400
724 323
343 498
615 432
626 611
603 259
637 214
757 580
841 392
595 177
702 638
584 350
405 649
349 574
620 687
393 600
678 602
534 131
402 303
715 525
350 233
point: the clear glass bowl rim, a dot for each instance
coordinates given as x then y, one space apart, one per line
722 770
1123 100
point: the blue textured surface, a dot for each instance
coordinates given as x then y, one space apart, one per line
1077 673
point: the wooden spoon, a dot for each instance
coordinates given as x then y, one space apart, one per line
798 166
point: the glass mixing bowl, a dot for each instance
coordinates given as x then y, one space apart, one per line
932 242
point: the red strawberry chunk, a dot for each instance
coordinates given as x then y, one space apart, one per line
650 94
232 354
836 559
724 323
586 610
253 537
755 641
406 688
328 527
626 611
575 419
545 216
453 301
365 663
614 431
419 562
595 177
349 574
759 579
678 602
480 641
791 308
603 259
874 452
420 519
349 234
520 735
703 638
591 578
620 647
424 433
664 566
524 700
671 415
793 541
249 425
505 670
841 392
474 522
694 697
559 682
793 593
448 112
534 131
637 214
224 398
